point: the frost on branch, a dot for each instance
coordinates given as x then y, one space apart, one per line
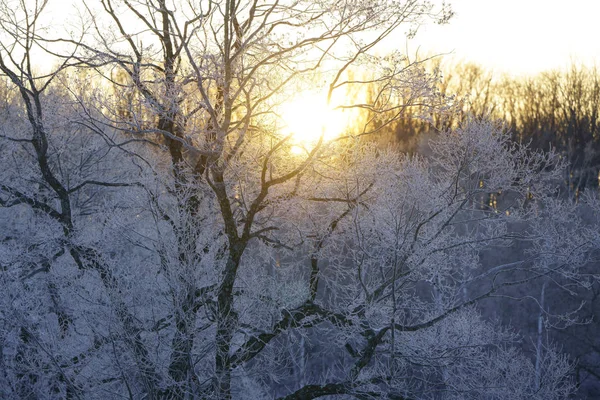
166 240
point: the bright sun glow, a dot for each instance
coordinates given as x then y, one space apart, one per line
308 116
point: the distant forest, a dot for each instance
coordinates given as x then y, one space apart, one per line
556 110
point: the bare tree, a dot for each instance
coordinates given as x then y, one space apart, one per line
190 249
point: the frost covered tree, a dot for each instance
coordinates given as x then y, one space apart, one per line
164 237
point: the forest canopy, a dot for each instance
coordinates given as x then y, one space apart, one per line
178 220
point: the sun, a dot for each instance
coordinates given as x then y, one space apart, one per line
308 116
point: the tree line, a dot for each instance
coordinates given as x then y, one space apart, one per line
556 110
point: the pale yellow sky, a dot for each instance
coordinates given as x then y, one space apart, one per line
514 36
518 36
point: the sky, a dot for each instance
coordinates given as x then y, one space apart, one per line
521 37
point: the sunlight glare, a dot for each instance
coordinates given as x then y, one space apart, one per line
308 116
